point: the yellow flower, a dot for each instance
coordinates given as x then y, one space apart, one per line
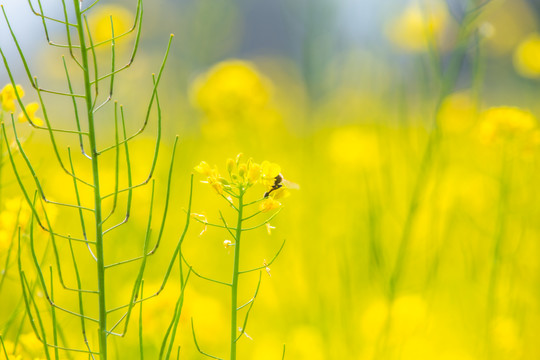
218 186
269 171
506 123
269 204
242 170
31 110
506 334
204 169
230 165
8 97
254 173
100 23
526 56
416 27
232 87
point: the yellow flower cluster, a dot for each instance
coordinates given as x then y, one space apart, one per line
503 124
231 86
8 97
414 29
243 175
100 23
13 214
526 56
28 347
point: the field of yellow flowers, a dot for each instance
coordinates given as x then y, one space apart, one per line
383 181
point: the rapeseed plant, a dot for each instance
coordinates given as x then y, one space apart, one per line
235 188
95 198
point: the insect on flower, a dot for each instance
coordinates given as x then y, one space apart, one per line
280 181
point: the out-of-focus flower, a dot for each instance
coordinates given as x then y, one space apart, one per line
505 334
526 56
31 345
212 176
269 173
458 112
417 26
408 313
15 213
231 87
254 173
269 204
12 350
502 124
31 110
8 97
100 23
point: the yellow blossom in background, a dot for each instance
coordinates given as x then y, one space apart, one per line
408 313
100 23
374 319
31 345
13 209
31 110
506 335
458 112
527 56
11 350
417 26
232 87
233 96
8 97
500 124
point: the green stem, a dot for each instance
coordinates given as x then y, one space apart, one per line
505 181
97 195
234 286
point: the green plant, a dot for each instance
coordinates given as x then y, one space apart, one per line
234 190
98 213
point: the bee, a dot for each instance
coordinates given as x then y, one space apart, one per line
279 181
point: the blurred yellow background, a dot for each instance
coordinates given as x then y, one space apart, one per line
414 234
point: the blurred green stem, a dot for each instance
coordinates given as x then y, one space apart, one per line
97 194
234 283
500 224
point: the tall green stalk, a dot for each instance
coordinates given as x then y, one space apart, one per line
100 267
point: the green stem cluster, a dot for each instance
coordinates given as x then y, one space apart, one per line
84 56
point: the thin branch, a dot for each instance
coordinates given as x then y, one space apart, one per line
267 265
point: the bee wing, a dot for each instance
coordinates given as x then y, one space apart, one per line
290 185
